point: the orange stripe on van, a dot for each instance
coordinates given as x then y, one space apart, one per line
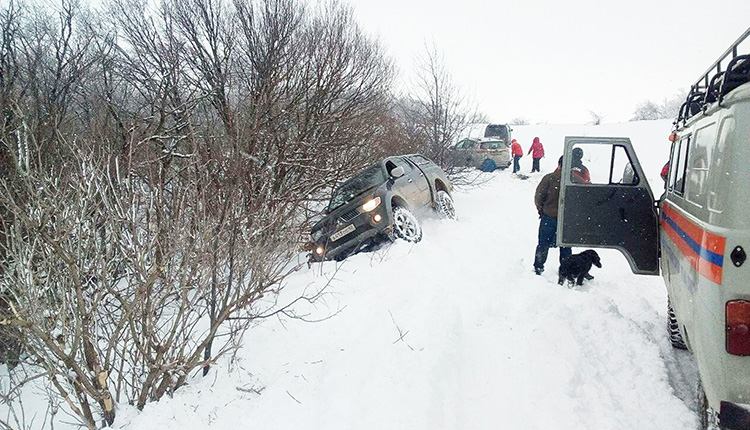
704 250
708 240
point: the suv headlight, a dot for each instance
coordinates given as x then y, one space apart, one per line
371 204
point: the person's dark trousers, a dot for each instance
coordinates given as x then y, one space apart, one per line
516 165
547 240
535 165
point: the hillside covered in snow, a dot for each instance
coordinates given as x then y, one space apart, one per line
458 332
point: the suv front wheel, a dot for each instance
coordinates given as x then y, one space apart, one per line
405 225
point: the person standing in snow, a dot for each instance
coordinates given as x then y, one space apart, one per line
537 152
517 153
546 199
665 172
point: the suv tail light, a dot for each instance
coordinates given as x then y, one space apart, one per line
738 327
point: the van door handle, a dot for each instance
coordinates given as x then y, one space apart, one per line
410 180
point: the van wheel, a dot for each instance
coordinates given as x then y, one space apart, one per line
673 328
405 225
444 205
488 166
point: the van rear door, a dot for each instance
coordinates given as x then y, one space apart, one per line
615 209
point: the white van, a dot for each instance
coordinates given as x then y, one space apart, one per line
697 235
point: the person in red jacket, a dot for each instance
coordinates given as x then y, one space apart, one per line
537 152
665 172
517 153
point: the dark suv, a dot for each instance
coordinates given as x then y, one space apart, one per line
381 203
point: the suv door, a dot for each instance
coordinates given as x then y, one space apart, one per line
405 185
613 207
421 181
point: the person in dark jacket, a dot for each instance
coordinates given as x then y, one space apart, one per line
579 173
546 199
537 152
517 153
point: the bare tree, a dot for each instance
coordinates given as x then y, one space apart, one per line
671 105
439 108
596 117
519 121
647 110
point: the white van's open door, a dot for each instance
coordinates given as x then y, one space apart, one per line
605 201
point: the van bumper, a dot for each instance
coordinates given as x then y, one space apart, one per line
734 416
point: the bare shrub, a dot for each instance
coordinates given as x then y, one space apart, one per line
158 167
647 110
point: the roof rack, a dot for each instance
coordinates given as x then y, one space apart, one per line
706 91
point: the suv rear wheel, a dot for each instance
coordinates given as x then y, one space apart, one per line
405 225
444 205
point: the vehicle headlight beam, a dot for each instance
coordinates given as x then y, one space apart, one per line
371 204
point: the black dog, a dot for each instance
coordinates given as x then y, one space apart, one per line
576 267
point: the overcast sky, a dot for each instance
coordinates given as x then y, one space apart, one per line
553 61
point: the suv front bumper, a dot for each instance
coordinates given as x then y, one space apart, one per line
366 230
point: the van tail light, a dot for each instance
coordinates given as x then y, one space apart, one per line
738 327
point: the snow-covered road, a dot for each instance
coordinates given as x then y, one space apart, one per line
457 332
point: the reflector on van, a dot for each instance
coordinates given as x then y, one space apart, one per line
738 327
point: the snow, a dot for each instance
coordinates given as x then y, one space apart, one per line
457 332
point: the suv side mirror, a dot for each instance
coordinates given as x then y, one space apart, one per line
397 172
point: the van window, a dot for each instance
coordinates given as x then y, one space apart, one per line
623 171
602 164
677 179
672 164
698 165
720 155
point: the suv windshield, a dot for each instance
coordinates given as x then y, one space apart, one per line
371 177
496 130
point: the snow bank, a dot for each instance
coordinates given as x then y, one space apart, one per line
457 332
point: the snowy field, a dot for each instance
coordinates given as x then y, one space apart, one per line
456 332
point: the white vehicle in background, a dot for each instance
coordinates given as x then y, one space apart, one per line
484 146
697 235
